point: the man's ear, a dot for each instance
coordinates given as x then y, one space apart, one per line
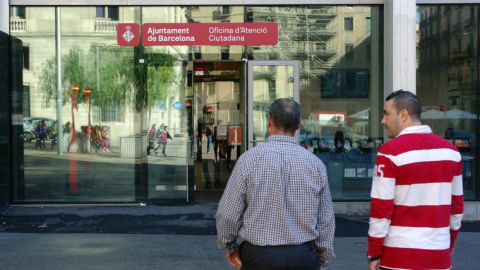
404 115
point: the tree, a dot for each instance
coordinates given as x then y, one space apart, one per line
72 72
113 74
159 77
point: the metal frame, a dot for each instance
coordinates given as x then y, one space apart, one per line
189 2
220 2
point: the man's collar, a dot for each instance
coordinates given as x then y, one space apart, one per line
416 129
281 138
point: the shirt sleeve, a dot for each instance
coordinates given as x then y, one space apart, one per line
325 224
381 208
230 210
456 213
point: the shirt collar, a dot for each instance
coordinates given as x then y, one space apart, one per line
416 129
281 138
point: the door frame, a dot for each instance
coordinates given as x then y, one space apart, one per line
296 91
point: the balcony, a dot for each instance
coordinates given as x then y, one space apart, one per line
18 25
104 27
457 57
468 24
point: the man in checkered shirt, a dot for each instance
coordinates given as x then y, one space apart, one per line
278 201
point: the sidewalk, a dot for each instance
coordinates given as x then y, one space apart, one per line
156 237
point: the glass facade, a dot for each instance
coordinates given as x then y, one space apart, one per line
97 144
447 80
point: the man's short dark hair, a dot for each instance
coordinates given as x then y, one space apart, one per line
285 114
406 100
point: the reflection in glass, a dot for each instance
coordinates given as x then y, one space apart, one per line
447 80
132 88
341 89
96 131
269 83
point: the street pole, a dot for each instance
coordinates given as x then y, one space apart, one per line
58 24
88 91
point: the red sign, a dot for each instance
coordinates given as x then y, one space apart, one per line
128 34
208 109
188 103
234 135
187 34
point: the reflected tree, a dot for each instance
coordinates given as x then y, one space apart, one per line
112 73
72 72
160 75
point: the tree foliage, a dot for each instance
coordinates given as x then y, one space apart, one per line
113 73
72 72
159 77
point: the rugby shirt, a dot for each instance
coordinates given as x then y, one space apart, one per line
416 201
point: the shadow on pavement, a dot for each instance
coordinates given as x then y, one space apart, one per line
187 220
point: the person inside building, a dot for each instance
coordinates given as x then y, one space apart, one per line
278 201
209 132
417 193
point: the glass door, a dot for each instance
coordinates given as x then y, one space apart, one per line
169 156
218 110
268 81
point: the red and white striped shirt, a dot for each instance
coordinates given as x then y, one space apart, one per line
416 201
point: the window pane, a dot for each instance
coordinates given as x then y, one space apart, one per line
20 12
100 12
81 163
17 12
340 117
447 80
348 23
113 13
26 57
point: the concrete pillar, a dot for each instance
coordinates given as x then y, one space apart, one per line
400 45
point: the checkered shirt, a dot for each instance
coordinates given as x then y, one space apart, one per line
277 194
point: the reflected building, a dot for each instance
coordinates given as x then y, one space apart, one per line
447 79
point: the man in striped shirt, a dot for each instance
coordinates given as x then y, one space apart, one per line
278 201
417 194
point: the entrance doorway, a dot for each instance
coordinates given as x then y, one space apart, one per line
219 123
234 98
224 113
